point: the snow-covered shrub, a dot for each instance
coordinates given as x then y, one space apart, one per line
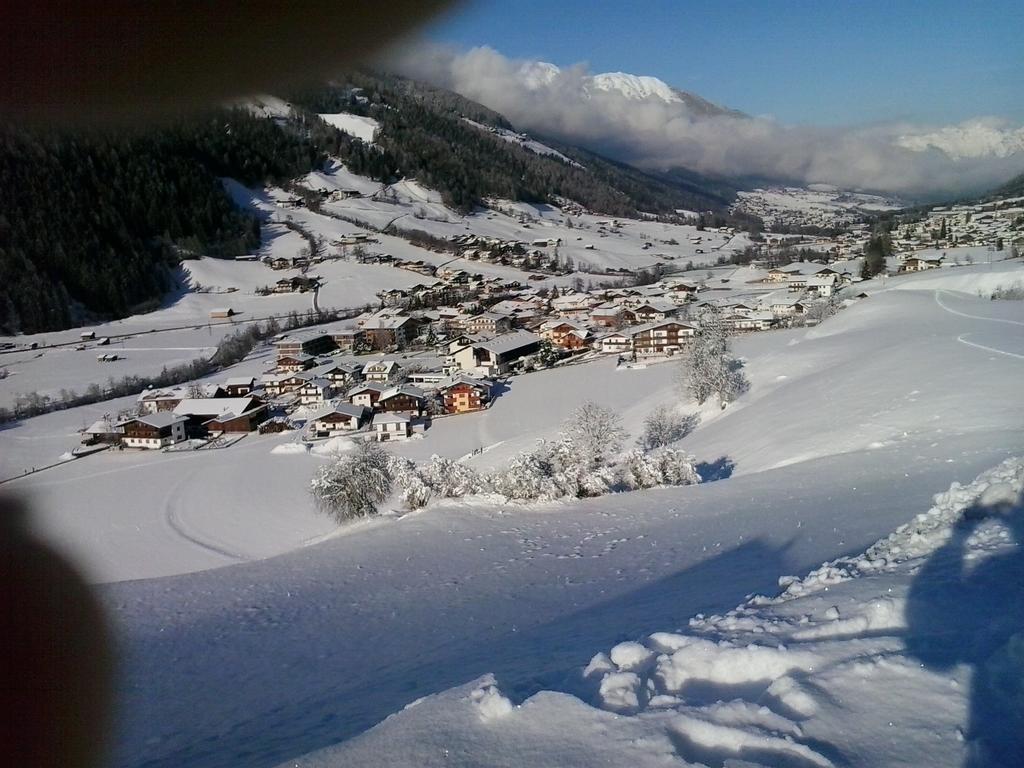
638 470
527 478
664 425
412 490
449 479
440 478
676 467
1014 292
355 484
666 466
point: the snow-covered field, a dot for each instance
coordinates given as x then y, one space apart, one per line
255 632
588 239
892 657
355 125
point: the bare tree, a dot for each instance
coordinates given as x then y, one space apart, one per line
664 425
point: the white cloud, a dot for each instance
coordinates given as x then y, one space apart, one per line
661 132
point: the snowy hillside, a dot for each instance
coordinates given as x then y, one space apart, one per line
891 657
523 141
218 569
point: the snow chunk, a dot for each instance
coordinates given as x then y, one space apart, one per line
734 741
630 656
619 691
490 702
724 664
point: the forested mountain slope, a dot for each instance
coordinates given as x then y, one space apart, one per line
92 223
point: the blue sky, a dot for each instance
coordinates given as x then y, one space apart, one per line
801 62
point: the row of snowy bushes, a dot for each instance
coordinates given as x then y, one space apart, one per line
586 461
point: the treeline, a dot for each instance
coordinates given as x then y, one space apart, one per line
92 223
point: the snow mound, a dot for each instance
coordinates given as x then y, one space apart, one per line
290 449
908 654
333 447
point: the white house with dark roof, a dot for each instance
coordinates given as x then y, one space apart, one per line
338 418
391 426
316 391
381 370
496 356
366 394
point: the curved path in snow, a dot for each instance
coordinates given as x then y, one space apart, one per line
938 300
963 337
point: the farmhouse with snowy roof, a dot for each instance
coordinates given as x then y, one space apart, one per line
337 418
461 394
153 431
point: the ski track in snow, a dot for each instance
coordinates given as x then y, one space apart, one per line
938 300
962 338
173 517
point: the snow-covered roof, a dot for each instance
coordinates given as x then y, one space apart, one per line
157 420
213 406
380 366
367 386
390 418
103 427
461 378
509 342
345 409
656 324
405 389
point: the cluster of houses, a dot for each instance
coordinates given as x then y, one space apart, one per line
997 223
322 378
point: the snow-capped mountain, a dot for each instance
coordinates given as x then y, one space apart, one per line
974 138
538 74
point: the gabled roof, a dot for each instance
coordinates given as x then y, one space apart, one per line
381 365
301 357
390 418
461 378
157 420
656 324
319 383
657 306
214 406
509 342
573 324
495 316
345 409
404 389
367 386
103 427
